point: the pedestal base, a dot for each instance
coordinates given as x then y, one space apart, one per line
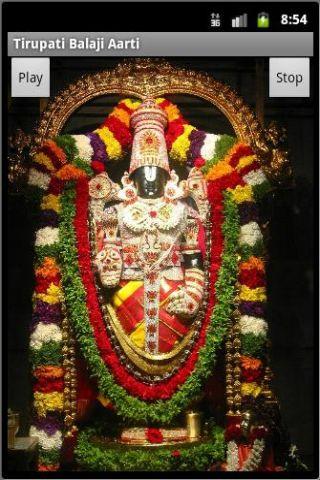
94 453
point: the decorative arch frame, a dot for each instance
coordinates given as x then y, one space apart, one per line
236 248
143 78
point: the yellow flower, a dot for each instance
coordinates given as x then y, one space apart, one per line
252 389
43 159
253 294
44 402
113 147
173 112
245 161
219 170
242 194
181 145
52 296
50 202
121 115
133 104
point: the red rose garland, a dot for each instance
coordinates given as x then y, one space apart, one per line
164 389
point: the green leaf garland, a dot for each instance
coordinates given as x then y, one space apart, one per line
49 354
49 457
84 166
257 250
68 145
178 457
128 406
253 345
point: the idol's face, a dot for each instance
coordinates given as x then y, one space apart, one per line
150 181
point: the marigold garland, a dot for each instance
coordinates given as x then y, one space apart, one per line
48 372
45 402
253 294
50 202
253 263
250 363
111 141
48 268
45 341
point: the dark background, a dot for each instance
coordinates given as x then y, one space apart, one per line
289 209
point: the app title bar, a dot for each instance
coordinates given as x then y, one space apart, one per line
168 44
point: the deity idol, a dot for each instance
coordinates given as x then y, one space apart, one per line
149 242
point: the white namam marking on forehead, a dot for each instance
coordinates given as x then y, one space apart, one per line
150 174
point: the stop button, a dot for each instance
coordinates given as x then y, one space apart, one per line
289 77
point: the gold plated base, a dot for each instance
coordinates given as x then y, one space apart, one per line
107 443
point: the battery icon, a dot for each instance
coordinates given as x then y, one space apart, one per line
263 20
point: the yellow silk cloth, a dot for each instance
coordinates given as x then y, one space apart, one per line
128 302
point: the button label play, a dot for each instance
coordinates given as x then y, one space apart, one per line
30 77
289 77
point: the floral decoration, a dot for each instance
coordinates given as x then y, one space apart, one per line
68 156
61 170
80 289
46 334
189 457
154 435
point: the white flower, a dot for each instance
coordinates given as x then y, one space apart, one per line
47 236
47 442
209 145
253 461
84 147
38 179
232 457
250 234
45 333
255 177
255 325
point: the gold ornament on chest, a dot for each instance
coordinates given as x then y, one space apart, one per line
142 216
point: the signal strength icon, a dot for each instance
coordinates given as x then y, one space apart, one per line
240 22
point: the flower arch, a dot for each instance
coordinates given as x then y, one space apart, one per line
65 296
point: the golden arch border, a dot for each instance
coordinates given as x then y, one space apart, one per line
141 78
